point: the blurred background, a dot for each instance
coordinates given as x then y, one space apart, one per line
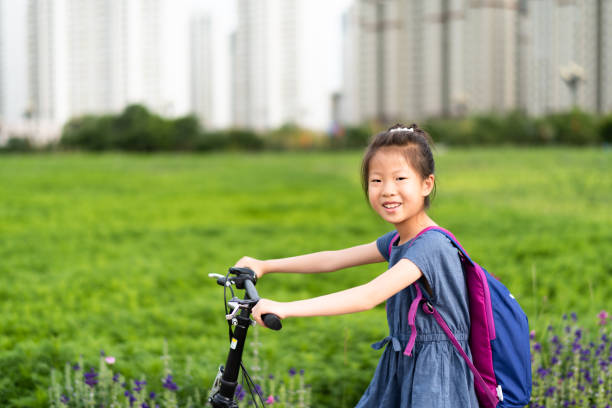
316 65
112 251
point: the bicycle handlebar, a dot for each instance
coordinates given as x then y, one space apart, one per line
271 320
246 279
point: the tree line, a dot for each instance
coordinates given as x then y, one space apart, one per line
137 129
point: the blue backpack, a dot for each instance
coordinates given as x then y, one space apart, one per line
499 335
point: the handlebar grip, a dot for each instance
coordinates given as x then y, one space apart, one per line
272 321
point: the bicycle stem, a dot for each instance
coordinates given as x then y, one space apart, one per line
227 383
229 380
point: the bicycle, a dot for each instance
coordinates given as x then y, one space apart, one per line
226 380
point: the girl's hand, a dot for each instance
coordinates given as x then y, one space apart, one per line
255 265
267 306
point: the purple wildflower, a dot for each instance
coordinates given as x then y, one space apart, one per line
144 405
585 355
116 377
76 367
91 378
292 371
64 399
131 397
537 347
139 385
574 317
587 376
532 335
240 393
542 372
550 391
258 389
169 384
152 395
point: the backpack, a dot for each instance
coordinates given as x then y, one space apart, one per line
499 334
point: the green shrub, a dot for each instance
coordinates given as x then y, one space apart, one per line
450 131
88 132
352 137
232 139
17 144
573 128
605 129
184 133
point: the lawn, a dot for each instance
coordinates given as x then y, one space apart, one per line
111 252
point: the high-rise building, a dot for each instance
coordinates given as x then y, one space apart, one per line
47 64
409 59
97 56
201 66
264 60
279 61
569 55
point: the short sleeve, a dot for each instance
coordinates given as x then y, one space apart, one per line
383 244
437 258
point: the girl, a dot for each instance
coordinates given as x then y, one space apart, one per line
398 179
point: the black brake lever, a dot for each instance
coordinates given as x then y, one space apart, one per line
242 275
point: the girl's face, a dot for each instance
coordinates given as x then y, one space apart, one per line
395 190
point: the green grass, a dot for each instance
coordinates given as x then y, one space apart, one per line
112 252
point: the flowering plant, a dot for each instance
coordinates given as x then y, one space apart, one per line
105 388
570 369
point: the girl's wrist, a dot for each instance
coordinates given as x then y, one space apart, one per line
264 268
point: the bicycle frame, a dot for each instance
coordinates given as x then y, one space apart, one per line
226 381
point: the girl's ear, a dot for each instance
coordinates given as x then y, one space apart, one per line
428 184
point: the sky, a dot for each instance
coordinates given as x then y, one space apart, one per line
223 16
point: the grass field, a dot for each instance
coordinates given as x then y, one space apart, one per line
112 252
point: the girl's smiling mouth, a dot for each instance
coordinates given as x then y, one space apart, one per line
391 205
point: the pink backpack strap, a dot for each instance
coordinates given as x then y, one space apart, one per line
415 302
478 380
411 320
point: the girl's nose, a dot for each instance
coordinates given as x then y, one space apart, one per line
388 189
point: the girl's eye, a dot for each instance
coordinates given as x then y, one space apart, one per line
375 181
402 178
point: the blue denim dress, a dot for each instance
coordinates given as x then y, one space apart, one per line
434 375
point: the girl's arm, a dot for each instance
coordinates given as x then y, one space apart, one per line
326 261
356 299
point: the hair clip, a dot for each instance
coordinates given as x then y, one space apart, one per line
402 130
